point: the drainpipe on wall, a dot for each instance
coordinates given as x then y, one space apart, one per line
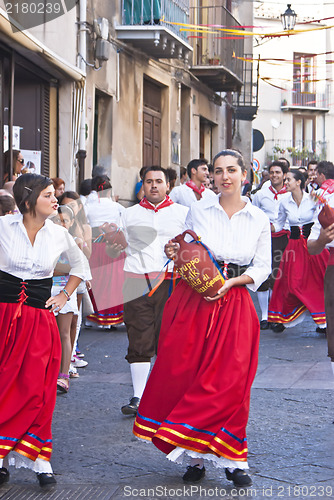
228 108
81 154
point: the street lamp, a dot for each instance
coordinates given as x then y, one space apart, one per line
289 18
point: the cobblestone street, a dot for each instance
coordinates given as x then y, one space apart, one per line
290 430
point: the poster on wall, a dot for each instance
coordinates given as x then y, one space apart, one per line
16 137
32 160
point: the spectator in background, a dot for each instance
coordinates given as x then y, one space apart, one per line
172 175
311 182
194 189
59 186
183 175
107 272
85 189
139 192
7 204
8 187
18 164
285 161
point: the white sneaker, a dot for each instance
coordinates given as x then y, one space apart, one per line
78 363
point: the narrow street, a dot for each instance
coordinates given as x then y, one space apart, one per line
290 431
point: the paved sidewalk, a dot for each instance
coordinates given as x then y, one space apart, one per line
290 431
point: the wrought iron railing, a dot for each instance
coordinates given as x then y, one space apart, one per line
298 152
156 12
296 98
212 45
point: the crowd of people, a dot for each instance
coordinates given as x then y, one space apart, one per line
59 248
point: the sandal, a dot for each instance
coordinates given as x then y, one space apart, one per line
73 372
63 382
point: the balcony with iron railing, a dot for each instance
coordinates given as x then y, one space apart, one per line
308 101
246 102
298 152
155 27
217 53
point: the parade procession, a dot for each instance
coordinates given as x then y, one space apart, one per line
166 249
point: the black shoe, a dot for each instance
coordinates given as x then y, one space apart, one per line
4 475
193 474
277 327
46 479
132 407
264 325
239 477
321 330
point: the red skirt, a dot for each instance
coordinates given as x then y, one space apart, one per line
107 283
197 396
30 355
299 285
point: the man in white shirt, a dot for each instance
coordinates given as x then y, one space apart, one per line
317 241
194 189
148 227
268 199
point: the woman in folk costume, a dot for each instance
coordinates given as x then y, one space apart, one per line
299 286
196 401
30 349
107 273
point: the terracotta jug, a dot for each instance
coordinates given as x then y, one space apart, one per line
326 216
195 266
111 233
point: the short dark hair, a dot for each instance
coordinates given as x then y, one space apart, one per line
326 168
101 183
183 171
284 160
280 164
7 204
27 189
85 187
142 171
195 164
312 162
231 152
156 168
299 176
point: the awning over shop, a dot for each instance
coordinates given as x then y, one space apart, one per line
31 48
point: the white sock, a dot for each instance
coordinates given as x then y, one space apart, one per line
332 363
263 298
139 375
198 462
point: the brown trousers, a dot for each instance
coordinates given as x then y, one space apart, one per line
329 309
142 317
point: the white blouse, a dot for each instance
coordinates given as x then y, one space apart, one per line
244 239
100 210
294 214
265 200
26 261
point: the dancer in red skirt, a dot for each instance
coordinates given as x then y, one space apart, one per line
30 350
318 240
196 401
299 285
107 272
